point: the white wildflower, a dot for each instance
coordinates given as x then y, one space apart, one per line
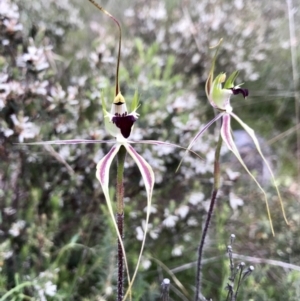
177 251
235 201
170 221
50 288
182 211
145 263
196 198
16 228
139 233
24 128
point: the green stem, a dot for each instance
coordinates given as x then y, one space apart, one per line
215 190
15 289
120 219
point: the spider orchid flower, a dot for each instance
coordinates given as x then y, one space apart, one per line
219 91
119 123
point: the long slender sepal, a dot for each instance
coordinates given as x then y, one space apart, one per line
119 47
156 142
148 177
228 139
72 141
251 133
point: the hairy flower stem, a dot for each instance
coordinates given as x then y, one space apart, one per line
208 218
120 220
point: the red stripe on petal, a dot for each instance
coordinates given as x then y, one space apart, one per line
146 169
226 132
104 165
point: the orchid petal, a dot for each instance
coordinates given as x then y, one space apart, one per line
72 141
251 133
102 174
199 134
228 139
148 177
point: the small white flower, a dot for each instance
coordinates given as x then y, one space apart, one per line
192 221
8 132
16 228
50 288
232 175
39 88
196 198
177 251
9 10
8 254
146 263
9 210
170 221
12 26
152 209
108 290
235 201
35 58
139 233
24 128
182 211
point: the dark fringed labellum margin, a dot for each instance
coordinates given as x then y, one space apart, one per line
124 122
245 92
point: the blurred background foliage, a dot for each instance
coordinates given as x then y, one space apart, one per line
56 58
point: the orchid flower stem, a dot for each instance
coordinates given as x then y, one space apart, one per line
120 219
208 218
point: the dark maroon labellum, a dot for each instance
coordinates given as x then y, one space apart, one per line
245 92
124 122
